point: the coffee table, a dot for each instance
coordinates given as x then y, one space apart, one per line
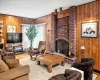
50 60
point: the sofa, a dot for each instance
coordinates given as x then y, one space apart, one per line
85 65
11 70
68 75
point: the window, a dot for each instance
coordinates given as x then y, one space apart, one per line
41 35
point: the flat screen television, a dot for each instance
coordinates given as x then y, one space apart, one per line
14 37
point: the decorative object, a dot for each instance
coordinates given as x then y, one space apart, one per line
31 33
82 51
55 11
89 29
11 28
60 10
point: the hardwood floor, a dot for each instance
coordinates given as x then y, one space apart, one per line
20 56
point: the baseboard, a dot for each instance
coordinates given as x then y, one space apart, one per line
96 71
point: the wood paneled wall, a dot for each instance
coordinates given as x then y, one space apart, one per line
14 20
85 13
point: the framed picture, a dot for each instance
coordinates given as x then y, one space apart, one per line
89 29
11 28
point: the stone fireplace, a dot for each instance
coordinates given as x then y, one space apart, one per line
62 36
63 32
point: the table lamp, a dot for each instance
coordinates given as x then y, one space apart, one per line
82 51
2 40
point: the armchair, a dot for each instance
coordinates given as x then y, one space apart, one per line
68 75
41 49
86 65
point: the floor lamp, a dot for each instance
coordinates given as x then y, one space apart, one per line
82 51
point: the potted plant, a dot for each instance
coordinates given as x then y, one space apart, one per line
31 34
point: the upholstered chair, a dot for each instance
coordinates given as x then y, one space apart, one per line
42 47
35 51
68 75
86 65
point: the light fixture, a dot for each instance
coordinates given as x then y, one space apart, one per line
49 30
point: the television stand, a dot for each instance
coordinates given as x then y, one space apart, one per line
16 48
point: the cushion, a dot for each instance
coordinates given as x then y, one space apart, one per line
12 63
3 66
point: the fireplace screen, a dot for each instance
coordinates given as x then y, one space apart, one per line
62 46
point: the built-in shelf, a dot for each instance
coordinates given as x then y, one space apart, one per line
1 30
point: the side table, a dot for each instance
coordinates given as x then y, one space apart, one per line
70 60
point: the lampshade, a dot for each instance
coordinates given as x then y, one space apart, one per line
2 40
82 47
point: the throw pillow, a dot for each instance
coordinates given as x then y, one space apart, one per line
12 63
3 66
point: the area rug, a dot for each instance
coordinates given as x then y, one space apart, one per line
39 72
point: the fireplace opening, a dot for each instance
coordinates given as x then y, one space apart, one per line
62 46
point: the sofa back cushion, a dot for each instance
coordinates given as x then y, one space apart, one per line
3 66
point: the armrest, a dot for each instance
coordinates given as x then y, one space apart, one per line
35 48
15 73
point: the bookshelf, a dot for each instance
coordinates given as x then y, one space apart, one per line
1 31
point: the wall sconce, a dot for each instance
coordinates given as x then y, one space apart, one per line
49 30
